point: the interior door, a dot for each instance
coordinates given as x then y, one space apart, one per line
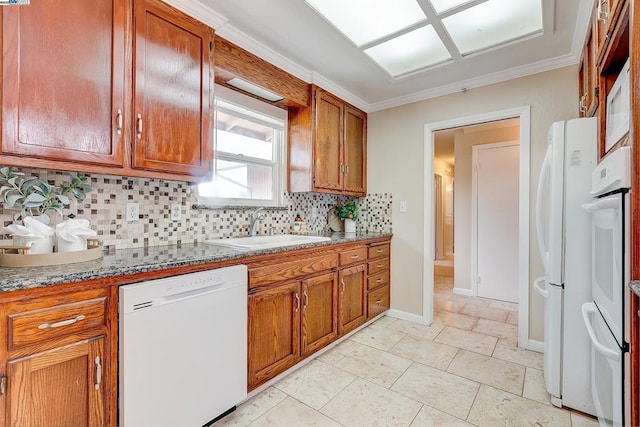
496 190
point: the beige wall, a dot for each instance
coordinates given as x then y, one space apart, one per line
464 142
396 165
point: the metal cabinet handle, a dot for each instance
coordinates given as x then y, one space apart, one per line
378 301
342 283
297 302
582 105
139 125
98 373
346 169
342 168
355 256
379 251
62 323
119 121
379 280
379 266
306 299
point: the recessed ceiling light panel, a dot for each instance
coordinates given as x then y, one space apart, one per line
364 21
410 52
494 22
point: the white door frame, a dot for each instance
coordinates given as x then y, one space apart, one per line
474 208
524 114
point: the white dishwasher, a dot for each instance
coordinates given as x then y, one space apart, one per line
183 348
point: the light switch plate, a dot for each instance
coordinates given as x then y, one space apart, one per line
176 212
403 206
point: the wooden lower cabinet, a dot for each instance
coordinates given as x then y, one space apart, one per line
289 322
274 331
319 312
352 300
62 387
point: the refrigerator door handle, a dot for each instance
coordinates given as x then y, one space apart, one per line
544 176
588 309
539 289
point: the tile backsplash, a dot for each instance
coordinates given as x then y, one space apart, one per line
105 207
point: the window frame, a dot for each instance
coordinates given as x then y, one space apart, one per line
279 166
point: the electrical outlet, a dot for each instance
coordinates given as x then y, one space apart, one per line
133 212
176 212
403 206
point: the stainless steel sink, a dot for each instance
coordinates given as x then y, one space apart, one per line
266 242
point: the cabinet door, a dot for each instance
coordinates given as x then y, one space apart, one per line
172 96
352 298
63 387
64 80
328 156
274 332
319 312
355 151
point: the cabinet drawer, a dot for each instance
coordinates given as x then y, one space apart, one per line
379 251
378 266
62 320
378 301
274 272
353 255
378 280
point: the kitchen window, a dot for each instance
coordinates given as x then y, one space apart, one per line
248 153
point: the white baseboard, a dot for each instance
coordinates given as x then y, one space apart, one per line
461 291
403 315
534 345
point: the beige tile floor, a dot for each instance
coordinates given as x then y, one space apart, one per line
463 370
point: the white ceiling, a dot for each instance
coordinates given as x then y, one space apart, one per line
292 36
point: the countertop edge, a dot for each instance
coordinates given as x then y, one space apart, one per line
128 262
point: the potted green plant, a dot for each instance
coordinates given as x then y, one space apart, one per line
35 197
348 213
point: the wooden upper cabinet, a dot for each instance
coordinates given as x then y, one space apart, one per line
329 159
588 76
327 147
63 74
59 388
172 105
355 150
606 14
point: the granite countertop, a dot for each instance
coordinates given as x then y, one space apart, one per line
635 287
140 260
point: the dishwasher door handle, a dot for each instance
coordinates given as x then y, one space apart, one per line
189 294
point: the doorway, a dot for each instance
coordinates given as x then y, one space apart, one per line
462 204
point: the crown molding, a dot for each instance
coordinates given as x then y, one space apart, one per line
201 12
487 79
339 91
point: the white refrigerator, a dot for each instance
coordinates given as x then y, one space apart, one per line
564 239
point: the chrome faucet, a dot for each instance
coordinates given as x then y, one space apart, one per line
255 217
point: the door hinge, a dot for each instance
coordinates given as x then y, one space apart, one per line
596 91
210 45
3 384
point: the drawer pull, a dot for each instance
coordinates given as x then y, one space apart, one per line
378 301
62 323
379 251
379 266
379 280
355 256
98 373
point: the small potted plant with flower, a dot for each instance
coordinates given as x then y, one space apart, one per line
348 213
